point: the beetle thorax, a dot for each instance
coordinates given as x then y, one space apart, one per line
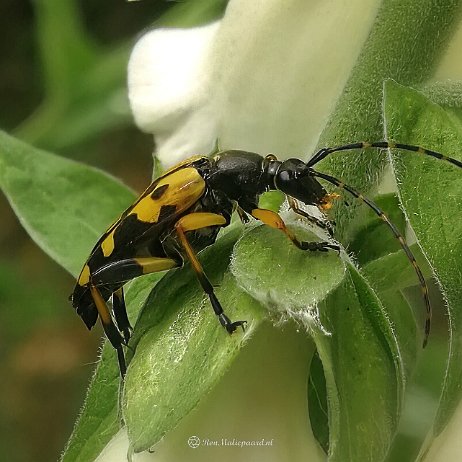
238 174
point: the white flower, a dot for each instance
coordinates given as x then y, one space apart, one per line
260 79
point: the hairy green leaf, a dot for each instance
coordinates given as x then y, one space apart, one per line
373 239
100 417
64 206
281 276
389 52
181 349
362 363
431 194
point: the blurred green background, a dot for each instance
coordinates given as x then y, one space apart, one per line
63 89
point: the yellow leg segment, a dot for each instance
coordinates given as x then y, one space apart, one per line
193 222
120 271
272 219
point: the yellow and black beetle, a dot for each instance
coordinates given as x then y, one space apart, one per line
182 211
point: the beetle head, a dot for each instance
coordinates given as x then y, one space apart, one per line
294 178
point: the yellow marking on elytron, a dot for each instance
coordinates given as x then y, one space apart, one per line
100 306
186 186
424 289
391 145
107 246
155 264
84 277
366 144
360 197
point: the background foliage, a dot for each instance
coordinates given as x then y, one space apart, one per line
68 96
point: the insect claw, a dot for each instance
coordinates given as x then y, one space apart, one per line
318 246
230 326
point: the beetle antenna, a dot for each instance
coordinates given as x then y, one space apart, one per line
379 212
323 153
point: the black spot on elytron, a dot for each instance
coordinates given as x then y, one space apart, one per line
166 212
159 192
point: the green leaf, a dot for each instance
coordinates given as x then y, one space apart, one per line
447 94
281 276
181 349
373 239
408 58
394 270
64 206
359 351
317 403
362 364
99 419
389 276
271 200
193 13
84 84
431 195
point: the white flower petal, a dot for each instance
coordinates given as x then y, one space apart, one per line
168 89
281 67
268 84
447 446
117 450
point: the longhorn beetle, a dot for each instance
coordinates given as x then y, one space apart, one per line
182 211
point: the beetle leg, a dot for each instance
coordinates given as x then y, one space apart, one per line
325 225
192 222
242 214
272 219
109 327
125 270
120 313
120 271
